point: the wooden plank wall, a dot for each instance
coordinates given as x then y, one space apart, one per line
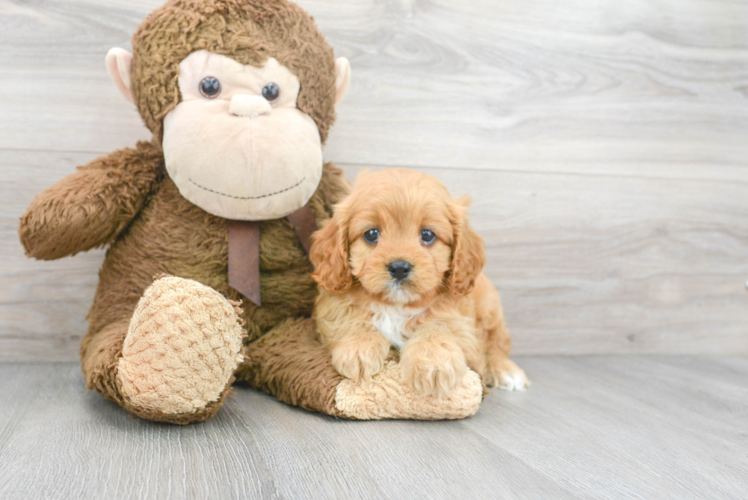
605 145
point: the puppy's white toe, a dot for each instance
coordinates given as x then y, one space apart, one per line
513 382
505 374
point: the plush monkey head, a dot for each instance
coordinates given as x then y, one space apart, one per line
241 94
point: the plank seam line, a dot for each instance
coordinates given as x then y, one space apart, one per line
547 172
472 169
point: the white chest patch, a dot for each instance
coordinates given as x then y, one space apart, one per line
391 321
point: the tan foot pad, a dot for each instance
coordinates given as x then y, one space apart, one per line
388 397
181 349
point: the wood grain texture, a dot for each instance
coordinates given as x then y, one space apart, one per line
603 264
604 145
642 87
584 264
43 305
599 427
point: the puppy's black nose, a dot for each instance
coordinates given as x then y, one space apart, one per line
399 269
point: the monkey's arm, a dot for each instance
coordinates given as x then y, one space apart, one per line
93 206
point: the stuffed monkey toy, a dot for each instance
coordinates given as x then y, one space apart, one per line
206 278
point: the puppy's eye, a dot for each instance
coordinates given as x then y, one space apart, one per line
210 87
428 237
271 91
371 236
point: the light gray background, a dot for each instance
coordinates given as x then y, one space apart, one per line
604 143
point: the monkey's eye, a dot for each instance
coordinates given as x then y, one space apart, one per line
271 91
428 237
371 236
210 87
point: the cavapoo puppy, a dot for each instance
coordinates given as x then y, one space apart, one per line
398 265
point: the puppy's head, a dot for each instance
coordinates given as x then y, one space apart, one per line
402 237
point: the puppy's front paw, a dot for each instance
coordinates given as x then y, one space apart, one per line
504 373
360 358
432 366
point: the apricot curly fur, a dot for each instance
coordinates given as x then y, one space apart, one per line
444 316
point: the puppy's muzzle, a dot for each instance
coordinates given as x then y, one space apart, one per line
399 269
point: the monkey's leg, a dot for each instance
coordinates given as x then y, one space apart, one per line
174 360
290 363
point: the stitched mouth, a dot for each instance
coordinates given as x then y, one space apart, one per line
268 195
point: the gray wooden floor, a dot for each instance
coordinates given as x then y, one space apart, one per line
590 427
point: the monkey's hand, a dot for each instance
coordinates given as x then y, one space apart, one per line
91 207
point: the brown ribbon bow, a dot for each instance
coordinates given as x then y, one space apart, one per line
244 250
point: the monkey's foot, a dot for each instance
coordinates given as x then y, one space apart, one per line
292 364
182 348
389 396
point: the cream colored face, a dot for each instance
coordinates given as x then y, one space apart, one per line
235 153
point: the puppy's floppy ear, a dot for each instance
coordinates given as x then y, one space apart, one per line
468 255
329 255
363 173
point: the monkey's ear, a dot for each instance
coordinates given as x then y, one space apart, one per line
119 66
342 78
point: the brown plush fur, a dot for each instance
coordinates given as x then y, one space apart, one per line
310 382
191 244
127 201
248 32
92 207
